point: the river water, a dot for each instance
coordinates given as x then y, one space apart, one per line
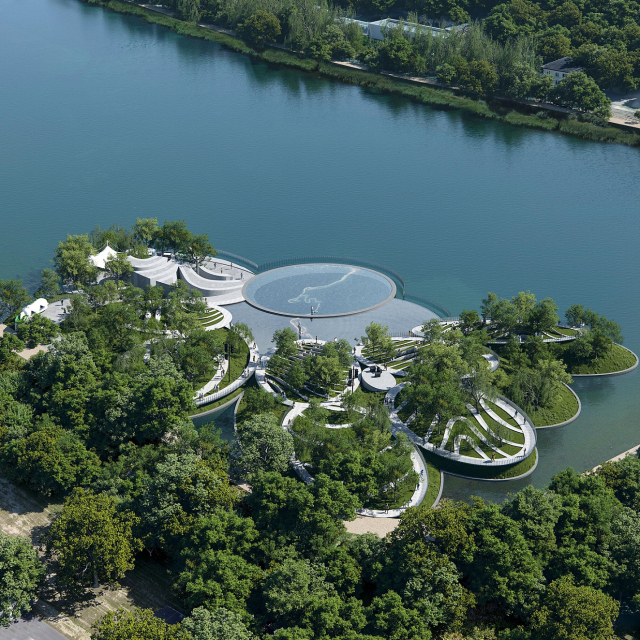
104 118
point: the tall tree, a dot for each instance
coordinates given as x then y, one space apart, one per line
13 296
220 624
581 92
118 267
571 612
377 338
285 341
260 28
175 235
182 489
139 624
49 284
263 445
91 541
21 573
199 248
146 230
71 260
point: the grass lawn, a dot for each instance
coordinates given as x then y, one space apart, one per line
239 361
617 359
564 407
510 449
507 434
343 417
404 491
566 332
502 414
434 485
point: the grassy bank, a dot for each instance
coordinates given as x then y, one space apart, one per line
564 407
616 359
433 96
484 472
434 485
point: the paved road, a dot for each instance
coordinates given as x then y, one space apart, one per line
30 629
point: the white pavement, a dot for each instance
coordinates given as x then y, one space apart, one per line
221 371
254 356
55 311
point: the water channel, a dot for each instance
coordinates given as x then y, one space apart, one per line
104 118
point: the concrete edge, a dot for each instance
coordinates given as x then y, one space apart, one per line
235 413
437 500
612 373
394 291
222 406
523 475
570 420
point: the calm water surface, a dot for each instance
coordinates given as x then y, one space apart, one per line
104 118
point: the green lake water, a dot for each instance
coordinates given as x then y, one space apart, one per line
104 118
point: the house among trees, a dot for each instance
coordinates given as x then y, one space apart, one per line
559 69
377 30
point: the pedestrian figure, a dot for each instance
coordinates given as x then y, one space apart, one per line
493 457
417 486
386 508
242 276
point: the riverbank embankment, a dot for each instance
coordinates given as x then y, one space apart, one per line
533 116
633 452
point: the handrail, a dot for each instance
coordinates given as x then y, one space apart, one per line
513 405
443 312
250 264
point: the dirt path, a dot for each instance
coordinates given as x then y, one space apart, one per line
23 513
379 526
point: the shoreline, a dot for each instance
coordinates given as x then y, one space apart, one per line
498 109
621 456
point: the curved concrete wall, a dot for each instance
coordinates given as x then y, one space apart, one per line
147 263
207 287
211 275
165 274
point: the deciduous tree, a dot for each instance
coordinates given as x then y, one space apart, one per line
91 541
21 573
260 28
13 297
139 624
263 445
571 612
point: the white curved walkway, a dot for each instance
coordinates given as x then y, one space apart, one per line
224 322
528 430
249 370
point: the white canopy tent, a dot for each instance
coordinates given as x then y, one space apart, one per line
100 260
32 309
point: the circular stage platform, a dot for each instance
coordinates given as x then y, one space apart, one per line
319 290
377 379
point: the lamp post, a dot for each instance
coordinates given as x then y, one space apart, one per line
228 350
